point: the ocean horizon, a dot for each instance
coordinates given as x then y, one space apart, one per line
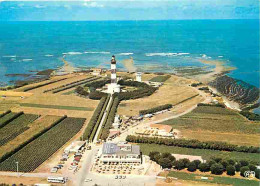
155 45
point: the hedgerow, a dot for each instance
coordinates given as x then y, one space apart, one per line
94 119
195 144
6 112
155 109
40 149
41 85
16 127
110 119
8 118
144 90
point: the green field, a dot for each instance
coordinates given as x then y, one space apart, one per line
215 119
55 107
205 153
41 148
216 179
160 78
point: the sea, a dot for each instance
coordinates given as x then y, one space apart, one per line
156 46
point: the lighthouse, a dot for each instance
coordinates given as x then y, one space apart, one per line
113 86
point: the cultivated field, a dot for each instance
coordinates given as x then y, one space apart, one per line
205 153
40 149
174 91
34 128
217 124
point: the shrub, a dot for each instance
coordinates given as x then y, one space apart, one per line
204 167
217 169
252 167
168 155
238 166
243 170
153 154
257 173
96 95
165 163
231 162
211 162
179 165
231 170
192 167
186 162
244 163
224 163
197 163
155 109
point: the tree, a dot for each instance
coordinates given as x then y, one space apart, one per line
231 162
186 162
157 157
238 166
257 173
165 163
192 167
252 167
211 162
152 155
217 159
231 170
243 170
224 163
168 155
204 167
217 169
179 165
244 163
197 162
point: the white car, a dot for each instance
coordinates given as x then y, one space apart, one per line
54 170
88 180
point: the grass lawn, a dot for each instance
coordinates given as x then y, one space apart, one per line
205 153
160 78
55 107
216 179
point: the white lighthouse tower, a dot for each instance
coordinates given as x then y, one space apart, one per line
113 86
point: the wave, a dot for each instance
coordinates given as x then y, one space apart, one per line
48 55
26 59
126 54
96 52
10 56
220 56
73 53
161 54
167 54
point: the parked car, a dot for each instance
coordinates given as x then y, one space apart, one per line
116 177
88 179
89 147
54 170
60 166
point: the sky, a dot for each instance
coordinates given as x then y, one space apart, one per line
90 10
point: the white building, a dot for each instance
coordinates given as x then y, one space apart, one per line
138 76
120 153
113 87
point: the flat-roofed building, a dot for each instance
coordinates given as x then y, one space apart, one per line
120 153
163 130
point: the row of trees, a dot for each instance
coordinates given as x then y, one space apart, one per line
250 115
93 121
215 165
81 91
41 85
14 116
213 105
110 119
155 109
143 90
6 112
195 144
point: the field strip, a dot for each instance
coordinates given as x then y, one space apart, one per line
56 107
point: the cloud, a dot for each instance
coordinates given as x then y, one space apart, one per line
92 4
